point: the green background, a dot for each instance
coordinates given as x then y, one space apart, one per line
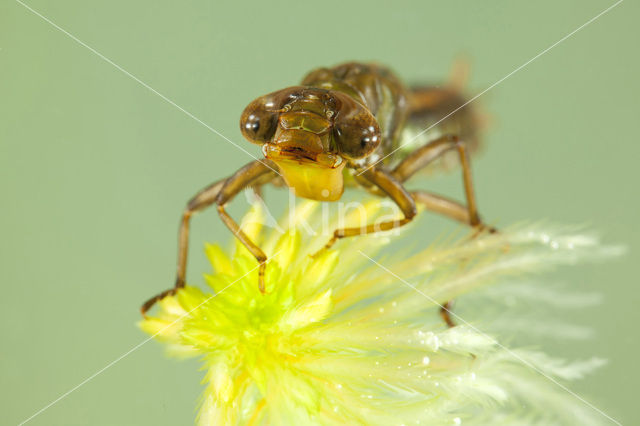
95 168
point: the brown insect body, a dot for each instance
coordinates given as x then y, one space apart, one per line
353 118
402 111
375 87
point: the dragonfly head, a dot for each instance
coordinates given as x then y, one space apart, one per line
311 134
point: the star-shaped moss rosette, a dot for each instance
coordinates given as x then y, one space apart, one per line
341 339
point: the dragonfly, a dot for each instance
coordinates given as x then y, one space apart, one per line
354 124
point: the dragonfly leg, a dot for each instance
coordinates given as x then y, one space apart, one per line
425 155
219 193
445 313
394 190
468 213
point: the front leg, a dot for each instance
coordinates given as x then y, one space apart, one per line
221 192
252 172
200 201
394 190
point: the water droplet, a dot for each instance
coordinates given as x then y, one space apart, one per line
381 310
457 421
426 360
433 341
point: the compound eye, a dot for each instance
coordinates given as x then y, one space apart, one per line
357 136
258 124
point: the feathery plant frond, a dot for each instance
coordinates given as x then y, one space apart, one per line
339 339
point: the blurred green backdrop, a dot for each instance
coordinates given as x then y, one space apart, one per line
95 168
